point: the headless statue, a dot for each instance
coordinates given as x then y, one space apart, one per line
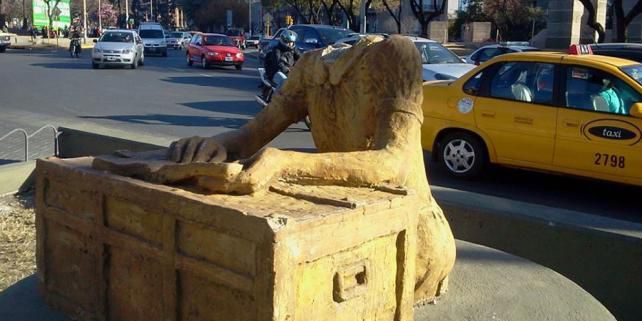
364 103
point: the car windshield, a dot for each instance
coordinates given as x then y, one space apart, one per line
233 32
634 71
151 33
117 37
217 41
330 36
176 35
434 53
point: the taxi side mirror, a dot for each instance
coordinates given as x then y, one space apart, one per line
636 110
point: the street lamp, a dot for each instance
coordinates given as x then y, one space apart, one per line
84 18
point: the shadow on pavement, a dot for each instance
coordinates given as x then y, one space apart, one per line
239 107
237 83
22 301
8 161
76 64
176 120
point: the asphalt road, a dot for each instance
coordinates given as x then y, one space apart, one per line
166 99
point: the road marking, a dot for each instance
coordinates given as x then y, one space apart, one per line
206 75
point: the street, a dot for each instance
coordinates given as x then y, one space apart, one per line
166 100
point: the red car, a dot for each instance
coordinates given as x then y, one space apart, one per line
214 49
238 36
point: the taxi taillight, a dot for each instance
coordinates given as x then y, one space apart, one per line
580 50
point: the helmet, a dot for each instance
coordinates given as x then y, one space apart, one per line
287 37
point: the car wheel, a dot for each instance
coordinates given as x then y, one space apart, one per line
239 67
463 154
2 49
189 60
141 62
164 54
134 64
203 62
94 65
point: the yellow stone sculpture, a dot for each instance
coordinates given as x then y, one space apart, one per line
365 106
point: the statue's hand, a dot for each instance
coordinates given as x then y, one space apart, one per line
197 149
260 169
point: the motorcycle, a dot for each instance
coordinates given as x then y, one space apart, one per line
268 89
75 48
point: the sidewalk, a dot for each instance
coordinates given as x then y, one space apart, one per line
25 42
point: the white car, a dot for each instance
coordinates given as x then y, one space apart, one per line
487 52
118 47
438 63
153 36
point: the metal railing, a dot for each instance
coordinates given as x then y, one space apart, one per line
27 136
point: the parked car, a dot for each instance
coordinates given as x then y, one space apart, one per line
309 37
631 51
485 53
118 47
5 40
438 62
546 111
214 49
153 37
238 36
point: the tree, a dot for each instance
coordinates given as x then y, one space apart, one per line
512 18
108 14
473 12
329 9
390 5
351 9
53 12
425 17
622 21
592 19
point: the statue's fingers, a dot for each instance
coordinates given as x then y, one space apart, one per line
190 150
204 151
219 154
170 151
176 152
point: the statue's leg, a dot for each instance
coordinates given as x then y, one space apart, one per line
435 254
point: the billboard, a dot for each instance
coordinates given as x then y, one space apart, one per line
59 15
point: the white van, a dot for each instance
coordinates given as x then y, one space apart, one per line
153 37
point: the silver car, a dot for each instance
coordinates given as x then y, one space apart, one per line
118 47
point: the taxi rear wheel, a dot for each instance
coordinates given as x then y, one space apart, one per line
463 154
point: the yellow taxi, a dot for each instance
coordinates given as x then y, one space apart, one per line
572 114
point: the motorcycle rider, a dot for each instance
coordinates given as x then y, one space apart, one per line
282 57
75 33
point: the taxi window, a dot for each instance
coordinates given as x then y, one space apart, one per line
596 90
529 82
634 71
473 84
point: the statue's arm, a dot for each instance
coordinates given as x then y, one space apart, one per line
287 107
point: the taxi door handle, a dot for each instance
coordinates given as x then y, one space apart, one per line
488 114
524 120
571 123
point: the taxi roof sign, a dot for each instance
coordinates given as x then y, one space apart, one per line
576 49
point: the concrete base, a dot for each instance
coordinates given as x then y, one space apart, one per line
486 284
16 177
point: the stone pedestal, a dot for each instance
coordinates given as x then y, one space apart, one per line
116 248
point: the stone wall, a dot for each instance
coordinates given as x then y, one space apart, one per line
476 32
